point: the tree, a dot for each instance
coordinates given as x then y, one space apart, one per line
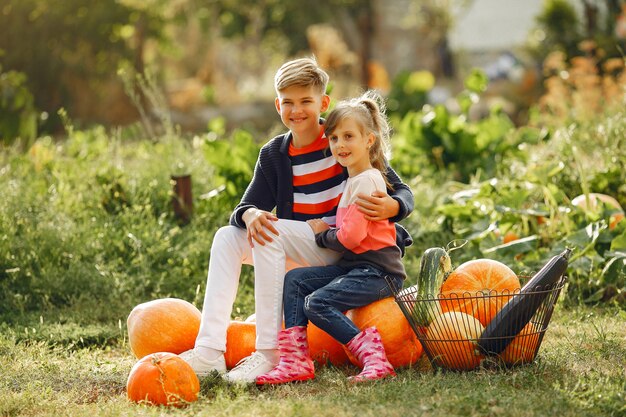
70 51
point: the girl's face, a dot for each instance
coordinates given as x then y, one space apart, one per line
350 146
299 108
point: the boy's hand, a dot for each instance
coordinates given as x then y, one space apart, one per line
318 225
378 206
258 222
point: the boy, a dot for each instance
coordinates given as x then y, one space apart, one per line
297 176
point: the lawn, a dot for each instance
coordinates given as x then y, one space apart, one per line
50 370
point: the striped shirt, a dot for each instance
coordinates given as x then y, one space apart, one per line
318 181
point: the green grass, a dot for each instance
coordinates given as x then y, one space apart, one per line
579 372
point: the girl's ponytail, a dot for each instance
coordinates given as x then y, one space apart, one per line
380 150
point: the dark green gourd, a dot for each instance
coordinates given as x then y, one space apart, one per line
518 311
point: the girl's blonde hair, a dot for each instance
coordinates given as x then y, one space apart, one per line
368 111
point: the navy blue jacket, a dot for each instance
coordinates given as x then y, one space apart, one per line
272 187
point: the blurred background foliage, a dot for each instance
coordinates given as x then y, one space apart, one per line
223 54
101 103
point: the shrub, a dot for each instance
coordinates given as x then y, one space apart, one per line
18 118
451 142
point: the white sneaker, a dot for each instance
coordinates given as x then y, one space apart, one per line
249 368
201 366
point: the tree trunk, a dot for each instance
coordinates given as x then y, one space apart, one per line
591 18
398 39
365 26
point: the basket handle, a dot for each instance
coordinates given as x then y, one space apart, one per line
392 286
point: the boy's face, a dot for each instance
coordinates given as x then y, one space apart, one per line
300 108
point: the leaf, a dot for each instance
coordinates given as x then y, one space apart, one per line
614 271
619 242
465 100
586 236
524 245
477 81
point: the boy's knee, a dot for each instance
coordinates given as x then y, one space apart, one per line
225 232
227 235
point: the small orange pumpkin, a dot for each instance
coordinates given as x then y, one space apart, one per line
400 342
509 237
452 340
324 348
480 288
594 203
162 378
523 347
240 342
163 325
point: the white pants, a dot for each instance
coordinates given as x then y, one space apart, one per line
294 247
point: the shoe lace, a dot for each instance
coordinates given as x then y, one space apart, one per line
249 362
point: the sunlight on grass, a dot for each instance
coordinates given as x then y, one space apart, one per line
579 371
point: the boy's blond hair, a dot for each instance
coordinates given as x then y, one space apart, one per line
303 72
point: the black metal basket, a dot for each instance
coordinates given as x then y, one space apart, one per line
452 330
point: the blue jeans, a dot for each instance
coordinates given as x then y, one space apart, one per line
321 294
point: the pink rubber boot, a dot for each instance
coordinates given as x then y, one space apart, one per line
368 349
295 363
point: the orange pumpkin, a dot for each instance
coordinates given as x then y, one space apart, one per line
162 378
523 347
240 342
163 325
510 236
594 203
399 340
452 340
479 288
324 348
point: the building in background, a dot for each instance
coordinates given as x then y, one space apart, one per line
493 25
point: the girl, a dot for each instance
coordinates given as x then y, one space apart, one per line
358 134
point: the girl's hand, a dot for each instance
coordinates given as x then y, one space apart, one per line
378 206
318 225
258 222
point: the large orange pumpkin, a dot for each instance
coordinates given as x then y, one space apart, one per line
163 325
523 347
162 378
480 288
324 348
452 340
240 342
399 340
594 203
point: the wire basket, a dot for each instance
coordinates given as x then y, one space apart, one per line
452 329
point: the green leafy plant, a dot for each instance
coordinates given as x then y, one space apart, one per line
18 117
232 158
450 141
409 91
